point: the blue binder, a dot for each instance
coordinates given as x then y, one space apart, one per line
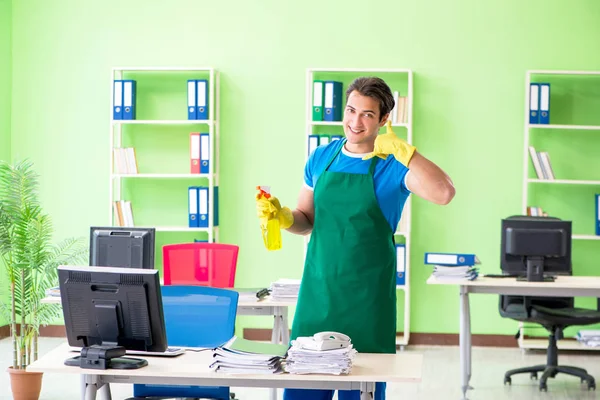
204 153
544 103
598 214
534 103
202 207
451 259
193 207
400 264
118 99
202 99
333 101
129 92
191 99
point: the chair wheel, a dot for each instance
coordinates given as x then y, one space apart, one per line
533 375
592 385
543 387
507 380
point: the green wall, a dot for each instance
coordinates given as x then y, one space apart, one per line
469 59
5 92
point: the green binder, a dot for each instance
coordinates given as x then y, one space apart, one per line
318 98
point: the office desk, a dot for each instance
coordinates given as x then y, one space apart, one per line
566 286
193 369
250 306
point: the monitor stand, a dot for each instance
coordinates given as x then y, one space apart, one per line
535 271
105 357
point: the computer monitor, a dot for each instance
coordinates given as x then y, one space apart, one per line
115 246
536 248
110 310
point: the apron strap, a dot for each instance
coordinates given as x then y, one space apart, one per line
372 166
335 154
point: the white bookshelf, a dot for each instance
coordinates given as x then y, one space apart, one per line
536 343
116 180
407 76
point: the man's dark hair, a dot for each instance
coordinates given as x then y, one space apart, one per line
376 88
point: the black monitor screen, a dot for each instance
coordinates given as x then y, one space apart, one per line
122 247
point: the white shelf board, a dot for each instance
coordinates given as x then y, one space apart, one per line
402 233
566 127
161 176
564 181
179 229
586 237
161 121
162 69
561 344
401 287
340 123
359 70
563 72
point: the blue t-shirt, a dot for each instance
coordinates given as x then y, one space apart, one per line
389 176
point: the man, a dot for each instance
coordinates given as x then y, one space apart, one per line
351 204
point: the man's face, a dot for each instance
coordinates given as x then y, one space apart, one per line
361 119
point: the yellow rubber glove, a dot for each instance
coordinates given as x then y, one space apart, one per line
388 143
270 208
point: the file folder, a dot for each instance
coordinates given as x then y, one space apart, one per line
194 153
544 103
318 96
202 98
598 214
191 99
204 153
193 207
203 207
400 264
323 139
336 137
129 95
333 101
451 259
313 143
534 103
118 99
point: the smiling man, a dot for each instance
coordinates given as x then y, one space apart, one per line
353 195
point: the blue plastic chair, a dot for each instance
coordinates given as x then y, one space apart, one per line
195 316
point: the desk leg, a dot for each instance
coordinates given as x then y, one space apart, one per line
104 392
367 390
275 337
93 387
285 328
465 341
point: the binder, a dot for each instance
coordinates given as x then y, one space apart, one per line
400 264
129 94
318 96
118 99
193 207
313 143
202 207
191 99
544 103
598 214
323 139
333 101
336 137
451 259
534 103
204 153
202 99
194 153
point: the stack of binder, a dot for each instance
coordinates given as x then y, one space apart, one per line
589 338
453 266
306 359
284 289
241 356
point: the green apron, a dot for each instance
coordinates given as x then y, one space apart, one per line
349 279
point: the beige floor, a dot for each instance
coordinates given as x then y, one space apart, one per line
440 377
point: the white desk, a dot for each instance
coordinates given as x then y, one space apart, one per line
193 369
565 286
248 306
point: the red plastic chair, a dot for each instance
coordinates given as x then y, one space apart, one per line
200 264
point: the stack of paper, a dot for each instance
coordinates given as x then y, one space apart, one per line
241 356
285 289
304 361
590 338
444 272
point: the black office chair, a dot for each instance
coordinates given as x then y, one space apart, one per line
532 248
554 314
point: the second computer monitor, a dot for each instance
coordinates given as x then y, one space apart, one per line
534 247
122 247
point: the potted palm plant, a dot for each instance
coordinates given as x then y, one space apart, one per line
28 261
